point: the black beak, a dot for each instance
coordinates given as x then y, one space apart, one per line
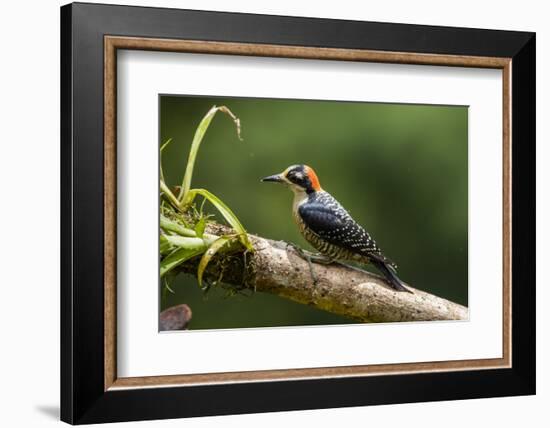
277 178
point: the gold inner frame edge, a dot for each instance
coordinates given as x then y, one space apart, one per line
113 43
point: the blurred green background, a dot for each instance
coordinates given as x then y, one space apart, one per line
400 170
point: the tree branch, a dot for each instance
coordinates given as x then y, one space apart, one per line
276 268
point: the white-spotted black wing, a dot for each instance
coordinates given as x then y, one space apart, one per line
324 216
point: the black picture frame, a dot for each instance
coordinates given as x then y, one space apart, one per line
83 397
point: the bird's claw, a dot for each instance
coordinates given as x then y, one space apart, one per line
310 258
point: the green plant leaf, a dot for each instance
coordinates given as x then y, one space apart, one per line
178 257
197 139
186 242
217 246
168 141
167 284
227 214
164 247
200 226
168 194
160 157
178 243
172 226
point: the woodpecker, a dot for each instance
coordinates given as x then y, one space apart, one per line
328 227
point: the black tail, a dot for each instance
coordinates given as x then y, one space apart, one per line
390 276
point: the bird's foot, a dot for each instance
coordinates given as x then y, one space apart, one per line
314 257
310 258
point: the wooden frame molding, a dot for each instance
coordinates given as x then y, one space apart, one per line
113 43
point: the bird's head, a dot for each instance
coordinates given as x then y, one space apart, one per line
300 178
